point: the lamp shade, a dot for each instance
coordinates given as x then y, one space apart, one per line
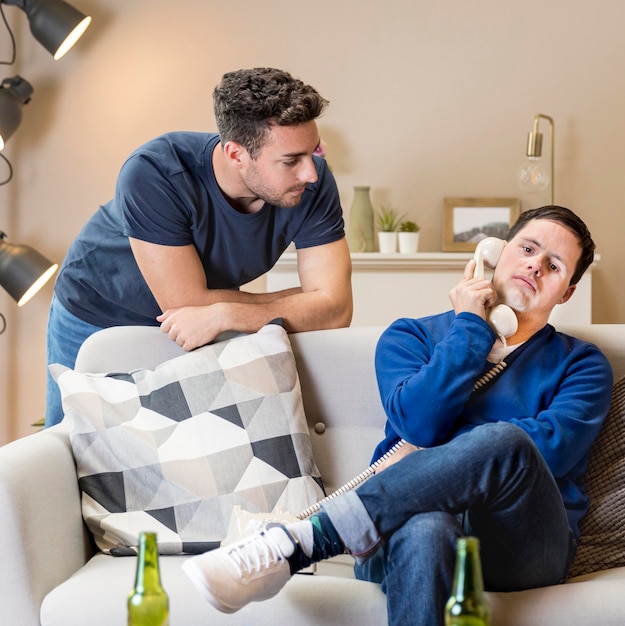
23 270
56 25
14 94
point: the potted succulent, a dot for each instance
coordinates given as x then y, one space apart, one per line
408 237
388 220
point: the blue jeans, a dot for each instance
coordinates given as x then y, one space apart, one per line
491 482
66 333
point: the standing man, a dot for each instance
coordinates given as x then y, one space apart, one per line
503 459
197 215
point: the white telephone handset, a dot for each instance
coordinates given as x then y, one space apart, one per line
501 317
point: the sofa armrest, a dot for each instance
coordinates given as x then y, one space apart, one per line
42 536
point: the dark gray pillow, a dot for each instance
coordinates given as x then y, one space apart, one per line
602 541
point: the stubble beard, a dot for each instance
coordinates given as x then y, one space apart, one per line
258 188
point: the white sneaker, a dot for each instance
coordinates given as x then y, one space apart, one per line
250 570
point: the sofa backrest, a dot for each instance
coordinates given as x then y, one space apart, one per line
339 387
341 399
337 377
610 338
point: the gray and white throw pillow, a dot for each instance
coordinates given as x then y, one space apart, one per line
174 449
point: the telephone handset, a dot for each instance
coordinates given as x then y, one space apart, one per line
501 317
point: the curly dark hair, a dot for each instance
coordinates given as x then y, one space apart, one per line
569 220
248 102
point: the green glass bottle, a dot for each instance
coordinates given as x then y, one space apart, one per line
148 604
467 604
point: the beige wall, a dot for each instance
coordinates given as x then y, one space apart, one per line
428 99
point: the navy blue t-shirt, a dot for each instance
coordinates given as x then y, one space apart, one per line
167 194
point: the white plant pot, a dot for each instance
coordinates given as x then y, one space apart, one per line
408 242
387 242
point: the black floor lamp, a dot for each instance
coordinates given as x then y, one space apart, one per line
23 272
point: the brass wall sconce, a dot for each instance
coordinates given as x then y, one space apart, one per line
532 175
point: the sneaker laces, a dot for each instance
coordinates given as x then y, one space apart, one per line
266 553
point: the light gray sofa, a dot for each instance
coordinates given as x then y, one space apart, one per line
51 575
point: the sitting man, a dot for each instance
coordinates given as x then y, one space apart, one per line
502 460
197 215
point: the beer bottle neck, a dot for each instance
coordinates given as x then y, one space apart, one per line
148 577
468 578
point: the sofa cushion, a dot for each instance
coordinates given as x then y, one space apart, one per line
96 595
602 541
173 450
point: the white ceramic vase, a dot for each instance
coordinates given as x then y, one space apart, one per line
387 242
408 242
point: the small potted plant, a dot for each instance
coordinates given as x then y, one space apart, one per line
408 237
388 220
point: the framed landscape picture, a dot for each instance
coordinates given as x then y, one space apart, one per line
466 221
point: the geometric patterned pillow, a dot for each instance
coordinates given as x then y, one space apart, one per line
174 449
602 542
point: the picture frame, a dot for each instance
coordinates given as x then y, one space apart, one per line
468 220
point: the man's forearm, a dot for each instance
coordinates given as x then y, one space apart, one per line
300 310
267 297
194 326
215 296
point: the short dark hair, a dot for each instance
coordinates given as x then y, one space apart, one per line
248 102
569 220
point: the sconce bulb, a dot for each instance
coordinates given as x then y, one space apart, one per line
532 176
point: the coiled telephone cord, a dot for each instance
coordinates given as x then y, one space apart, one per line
370 471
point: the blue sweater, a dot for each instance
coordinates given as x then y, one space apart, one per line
555 387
